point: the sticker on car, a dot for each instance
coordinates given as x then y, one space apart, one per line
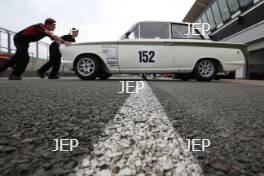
111 56
147 56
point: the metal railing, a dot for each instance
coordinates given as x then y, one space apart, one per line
38 50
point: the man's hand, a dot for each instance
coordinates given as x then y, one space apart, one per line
67 43
57 41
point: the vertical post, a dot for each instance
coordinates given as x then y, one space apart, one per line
37 50
247 67
8 43
0 39
47 52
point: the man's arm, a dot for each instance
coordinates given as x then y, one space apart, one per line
68 38
56 38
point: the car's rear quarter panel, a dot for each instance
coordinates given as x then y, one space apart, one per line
187 56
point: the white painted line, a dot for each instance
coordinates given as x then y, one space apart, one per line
140 141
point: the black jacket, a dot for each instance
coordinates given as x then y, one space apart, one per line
67 38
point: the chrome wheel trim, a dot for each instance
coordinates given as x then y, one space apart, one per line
86 66
206 68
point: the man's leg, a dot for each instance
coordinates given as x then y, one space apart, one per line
22 62
47 65
21 47
50 63
12 61
55 68
56 62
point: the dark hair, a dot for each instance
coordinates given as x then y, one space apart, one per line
49 21
74 29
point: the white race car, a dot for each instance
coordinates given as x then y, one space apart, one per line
155 47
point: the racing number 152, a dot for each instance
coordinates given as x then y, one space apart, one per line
146 56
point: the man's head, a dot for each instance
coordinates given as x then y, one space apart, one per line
50 23
74 32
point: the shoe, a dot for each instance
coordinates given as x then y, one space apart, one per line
54 77
13 77
40 74
2 68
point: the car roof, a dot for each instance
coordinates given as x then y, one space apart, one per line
161 22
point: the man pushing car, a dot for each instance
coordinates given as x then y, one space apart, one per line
22 40
55 56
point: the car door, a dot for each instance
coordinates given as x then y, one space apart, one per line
145 55
151 52
185 52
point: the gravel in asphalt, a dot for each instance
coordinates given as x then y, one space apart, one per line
33 112
230 115
140 140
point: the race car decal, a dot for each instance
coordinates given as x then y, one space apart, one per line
111 56
147 56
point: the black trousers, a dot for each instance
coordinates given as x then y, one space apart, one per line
20 59
54 61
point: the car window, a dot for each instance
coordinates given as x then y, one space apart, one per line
179 31
154 30
134 34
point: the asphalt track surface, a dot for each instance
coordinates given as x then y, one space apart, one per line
33 112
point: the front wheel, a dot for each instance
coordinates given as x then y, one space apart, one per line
87 67
205 70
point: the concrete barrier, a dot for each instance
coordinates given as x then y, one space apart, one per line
34 64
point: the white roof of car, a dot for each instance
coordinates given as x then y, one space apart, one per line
161 22
205 35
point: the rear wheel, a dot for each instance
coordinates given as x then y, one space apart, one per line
87 67
205 70
217 78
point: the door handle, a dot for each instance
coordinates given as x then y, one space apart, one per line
168 43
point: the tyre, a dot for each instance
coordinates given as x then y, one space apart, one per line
205 70
104 76
217 78
87 67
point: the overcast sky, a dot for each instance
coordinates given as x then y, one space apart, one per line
96 19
